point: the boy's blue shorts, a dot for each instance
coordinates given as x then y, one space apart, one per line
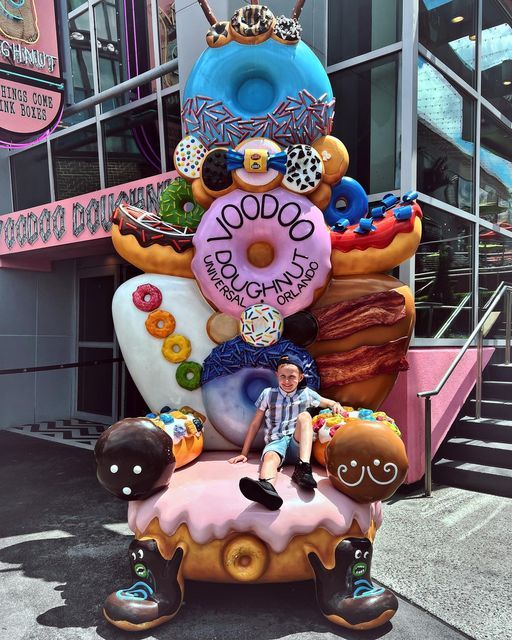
286 447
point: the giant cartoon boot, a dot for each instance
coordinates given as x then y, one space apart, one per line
345 593
156 594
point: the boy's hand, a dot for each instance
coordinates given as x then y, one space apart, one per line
236 459
337 408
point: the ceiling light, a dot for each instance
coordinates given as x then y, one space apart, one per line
507 82
457 19
473 37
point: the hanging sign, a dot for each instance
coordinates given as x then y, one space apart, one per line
31 85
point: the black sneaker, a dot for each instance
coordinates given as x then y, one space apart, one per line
303 476
261 491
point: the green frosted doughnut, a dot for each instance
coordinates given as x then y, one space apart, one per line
178 207
188 375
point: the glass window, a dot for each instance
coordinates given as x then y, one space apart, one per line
81 64
495 266
74 4
444 276
112 63
497 57
30 178
447 28
167 39
132 148
366 121
445 138
75 163
358 27
495 170
172 125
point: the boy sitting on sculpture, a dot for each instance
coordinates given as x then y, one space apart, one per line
288 433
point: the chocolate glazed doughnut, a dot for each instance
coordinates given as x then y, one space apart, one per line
215 177
252 24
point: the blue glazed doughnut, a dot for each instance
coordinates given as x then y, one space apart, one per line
229 402
235 354
355 196
266 90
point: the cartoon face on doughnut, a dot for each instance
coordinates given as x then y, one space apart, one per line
278 245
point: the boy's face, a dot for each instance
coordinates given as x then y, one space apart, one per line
288 377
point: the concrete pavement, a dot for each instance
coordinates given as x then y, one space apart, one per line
63 545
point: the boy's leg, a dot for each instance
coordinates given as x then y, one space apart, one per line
269 466
263 490
304 436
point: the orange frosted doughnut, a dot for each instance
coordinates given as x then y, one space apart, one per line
334 155
160 323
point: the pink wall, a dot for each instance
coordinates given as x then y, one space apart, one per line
426 368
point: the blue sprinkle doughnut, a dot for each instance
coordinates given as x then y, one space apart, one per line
235 354
355 196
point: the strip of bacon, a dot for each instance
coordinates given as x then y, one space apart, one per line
345 318
362 363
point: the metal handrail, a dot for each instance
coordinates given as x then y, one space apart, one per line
505 289
455 313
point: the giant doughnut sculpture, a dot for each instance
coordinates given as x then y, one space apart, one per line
287 258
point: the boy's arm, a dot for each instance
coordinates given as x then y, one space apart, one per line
251 434
335 406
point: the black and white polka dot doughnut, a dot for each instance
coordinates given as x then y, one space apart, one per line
304 169
287 30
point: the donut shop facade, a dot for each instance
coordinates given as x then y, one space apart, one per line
423 103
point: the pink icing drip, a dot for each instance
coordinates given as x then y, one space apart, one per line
205 496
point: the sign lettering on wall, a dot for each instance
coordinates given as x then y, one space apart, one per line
31 85
86 217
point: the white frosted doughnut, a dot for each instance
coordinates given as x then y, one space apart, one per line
188 155
262 325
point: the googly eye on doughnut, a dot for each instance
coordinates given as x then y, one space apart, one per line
304 169
252 24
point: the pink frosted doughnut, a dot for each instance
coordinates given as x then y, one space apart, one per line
262 247
258 181
147 297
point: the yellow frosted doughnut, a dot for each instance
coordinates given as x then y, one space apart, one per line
176 348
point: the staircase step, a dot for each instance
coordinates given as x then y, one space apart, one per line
484 452
475 477
498 372
483 429
493 409
497 389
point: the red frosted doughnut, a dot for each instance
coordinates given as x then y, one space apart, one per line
140 294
